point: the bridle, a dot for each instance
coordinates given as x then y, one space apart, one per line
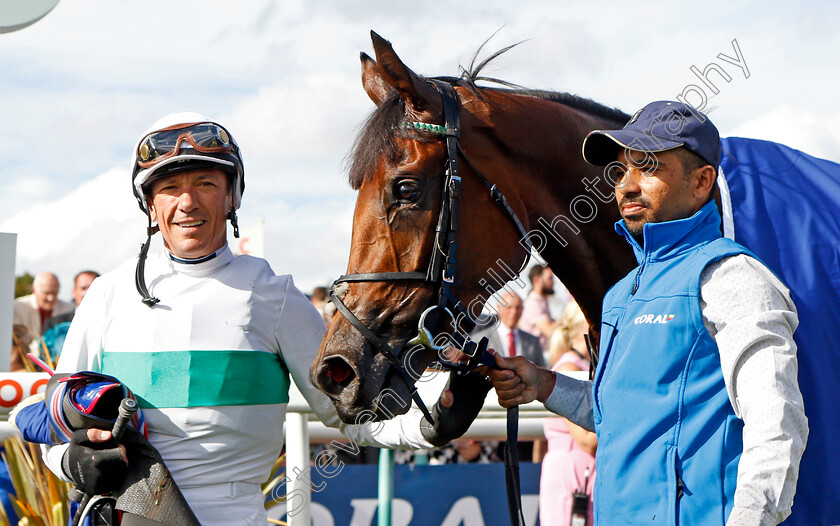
441 274
441 270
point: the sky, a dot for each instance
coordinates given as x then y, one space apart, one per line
78 88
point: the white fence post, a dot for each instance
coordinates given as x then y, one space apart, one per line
297 470
7 296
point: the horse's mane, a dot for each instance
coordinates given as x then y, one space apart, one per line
382 127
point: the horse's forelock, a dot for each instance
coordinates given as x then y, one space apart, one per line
377 138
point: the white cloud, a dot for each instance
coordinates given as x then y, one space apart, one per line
818 135
95 226
51 226
28 187
311 241
299 118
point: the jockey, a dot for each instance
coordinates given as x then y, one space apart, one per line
211 343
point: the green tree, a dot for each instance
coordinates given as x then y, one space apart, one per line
23 284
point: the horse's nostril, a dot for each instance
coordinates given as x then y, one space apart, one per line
335 374
338 373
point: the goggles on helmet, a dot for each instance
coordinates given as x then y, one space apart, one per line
205 137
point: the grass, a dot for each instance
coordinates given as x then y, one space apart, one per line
40 497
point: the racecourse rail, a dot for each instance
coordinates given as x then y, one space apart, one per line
303 427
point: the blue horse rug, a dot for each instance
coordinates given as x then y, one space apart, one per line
784 205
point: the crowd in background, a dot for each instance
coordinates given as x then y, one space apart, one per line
41 319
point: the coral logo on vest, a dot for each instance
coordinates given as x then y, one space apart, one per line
654 318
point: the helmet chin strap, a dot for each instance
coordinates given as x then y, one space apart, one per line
139 277
234 222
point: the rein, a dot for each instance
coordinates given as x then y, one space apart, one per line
441 274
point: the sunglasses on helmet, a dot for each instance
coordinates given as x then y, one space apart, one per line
205 137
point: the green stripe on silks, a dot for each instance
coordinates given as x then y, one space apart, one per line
200 378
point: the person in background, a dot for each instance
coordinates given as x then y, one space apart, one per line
569 465
81 283
461 451
536 318
56 327
319 300
34 309
467 451
506 338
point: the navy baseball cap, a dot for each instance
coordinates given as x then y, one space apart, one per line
658 127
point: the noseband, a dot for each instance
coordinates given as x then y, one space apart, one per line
441 270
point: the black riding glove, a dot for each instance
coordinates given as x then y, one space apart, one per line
95 467
469 392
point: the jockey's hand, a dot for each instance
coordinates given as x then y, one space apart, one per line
518 381
95 462
456 409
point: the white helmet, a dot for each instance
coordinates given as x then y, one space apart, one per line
185 141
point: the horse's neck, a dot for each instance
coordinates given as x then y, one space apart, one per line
587 257
561 193
589 268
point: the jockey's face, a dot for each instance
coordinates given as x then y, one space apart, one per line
191 210
656 188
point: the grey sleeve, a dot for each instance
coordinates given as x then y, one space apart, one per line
299 332
751 317
572 399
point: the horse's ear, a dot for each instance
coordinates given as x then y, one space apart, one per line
375 86
416 92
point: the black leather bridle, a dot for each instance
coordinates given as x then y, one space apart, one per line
441 274
441 270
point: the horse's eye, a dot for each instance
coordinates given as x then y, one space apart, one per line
408 190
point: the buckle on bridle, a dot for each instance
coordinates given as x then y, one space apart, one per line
424 335
475 352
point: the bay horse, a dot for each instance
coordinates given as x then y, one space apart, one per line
523 183
525 142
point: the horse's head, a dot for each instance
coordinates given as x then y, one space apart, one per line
398 168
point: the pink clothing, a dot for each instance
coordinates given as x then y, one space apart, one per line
534 309
564 466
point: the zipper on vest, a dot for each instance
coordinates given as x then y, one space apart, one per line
605 353
638 276
680 486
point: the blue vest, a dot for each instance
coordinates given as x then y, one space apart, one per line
668 439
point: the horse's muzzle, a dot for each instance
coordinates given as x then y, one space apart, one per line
360 398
